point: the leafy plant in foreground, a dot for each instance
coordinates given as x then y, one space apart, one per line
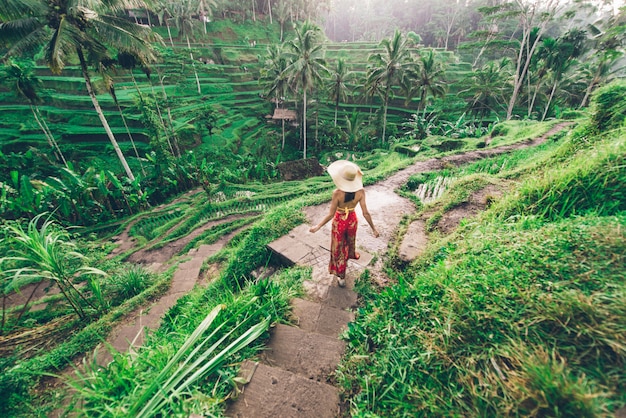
199 356
45 254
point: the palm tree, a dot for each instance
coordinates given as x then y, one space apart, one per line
568 47
274 77
204 10
26 84
306 64
163 11
427 78
337 86
387 67
103 69
74 27
486 88
186 25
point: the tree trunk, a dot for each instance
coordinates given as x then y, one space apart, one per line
545 112
527 50
385 113
169 33
132 141
170 120
269 8
105 124
193 64
304 122
48 134
283 147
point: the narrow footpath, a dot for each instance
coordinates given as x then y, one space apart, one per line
294 376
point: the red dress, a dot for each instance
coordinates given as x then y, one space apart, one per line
343 241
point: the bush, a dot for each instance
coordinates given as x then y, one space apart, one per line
450 145
129 283
609 107
499 130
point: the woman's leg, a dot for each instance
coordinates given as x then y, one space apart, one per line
351 227
338 247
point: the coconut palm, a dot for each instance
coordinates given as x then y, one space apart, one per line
186 24
485 88
427 76
386 68
306 66
274 78
337 86
568 47
26 84
77 28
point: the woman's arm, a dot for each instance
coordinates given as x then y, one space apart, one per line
367 216
333 208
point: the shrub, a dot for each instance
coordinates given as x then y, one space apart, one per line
129 283
499 130
609 107
450 145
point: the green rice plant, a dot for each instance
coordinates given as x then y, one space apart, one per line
45 253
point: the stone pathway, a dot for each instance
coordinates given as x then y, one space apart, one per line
133 331
294 377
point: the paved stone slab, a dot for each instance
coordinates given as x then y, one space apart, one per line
341 297
314 356
193 264
276 393
414 242
322 319
290 249
207 250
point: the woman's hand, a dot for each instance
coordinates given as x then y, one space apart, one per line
375 231
314 229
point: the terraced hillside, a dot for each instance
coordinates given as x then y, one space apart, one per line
227 67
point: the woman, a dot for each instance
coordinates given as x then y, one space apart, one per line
347 176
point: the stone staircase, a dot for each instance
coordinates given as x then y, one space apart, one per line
294 376
132 333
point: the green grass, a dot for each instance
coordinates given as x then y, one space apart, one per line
518 313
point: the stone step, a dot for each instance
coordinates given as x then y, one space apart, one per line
322 319
273 392
309 354
341 297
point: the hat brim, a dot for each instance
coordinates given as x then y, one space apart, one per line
336 171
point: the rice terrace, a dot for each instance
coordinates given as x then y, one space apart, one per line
164 178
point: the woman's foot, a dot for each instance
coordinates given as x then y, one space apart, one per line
357 256
341 282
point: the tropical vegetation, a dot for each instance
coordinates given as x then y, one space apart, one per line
176 120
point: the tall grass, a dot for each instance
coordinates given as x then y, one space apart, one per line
520 315
199 356
456 339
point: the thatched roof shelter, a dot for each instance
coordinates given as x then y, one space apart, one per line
284 114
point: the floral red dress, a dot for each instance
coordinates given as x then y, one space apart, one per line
343 240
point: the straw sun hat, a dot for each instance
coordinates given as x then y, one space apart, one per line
346 175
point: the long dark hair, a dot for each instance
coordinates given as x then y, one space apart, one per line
348 196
